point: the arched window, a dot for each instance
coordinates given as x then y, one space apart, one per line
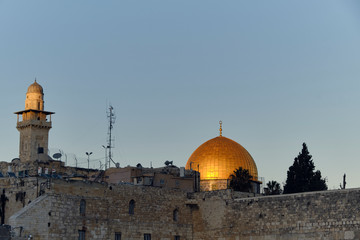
176 215
82 207
131 207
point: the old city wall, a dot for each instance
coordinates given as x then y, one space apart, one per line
219 215
56 215
34 214
317 215
16 193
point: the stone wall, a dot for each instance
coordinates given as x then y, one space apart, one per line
56 215
35 216
316 215
5 232
19 192
216 215
212 185
17 166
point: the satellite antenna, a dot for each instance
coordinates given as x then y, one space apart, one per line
57 155
167 163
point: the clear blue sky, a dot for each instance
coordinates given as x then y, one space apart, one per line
277 73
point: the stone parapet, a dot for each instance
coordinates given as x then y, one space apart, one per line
36 123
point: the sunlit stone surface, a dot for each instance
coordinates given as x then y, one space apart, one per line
217 159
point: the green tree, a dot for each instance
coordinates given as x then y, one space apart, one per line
273 188
301 176
240 180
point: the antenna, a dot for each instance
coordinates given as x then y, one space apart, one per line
111 117
57 156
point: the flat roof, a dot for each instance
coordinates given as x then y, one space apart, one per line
34 110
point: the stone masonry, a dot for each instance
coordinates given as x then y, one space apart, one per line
56 215
314 215
218 215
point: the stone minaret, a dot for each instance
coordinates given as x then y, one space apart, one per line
34 126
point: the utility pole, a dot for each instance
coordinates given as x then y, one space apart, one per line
88 155
344 182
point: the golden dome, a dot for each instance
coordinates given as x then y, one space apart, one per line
219 157
35 88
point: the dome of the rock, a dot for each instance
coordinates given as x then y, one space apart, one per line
219 157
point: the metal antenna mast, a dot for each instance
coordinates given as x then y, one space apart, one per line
111 117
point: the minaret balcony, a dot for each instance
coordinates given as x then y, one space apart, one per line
35 123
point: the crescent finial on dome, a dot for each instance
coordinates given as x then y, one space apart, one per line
220 122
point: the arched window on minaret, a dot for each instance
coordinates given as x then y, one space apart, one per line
82 207
131 207
176 215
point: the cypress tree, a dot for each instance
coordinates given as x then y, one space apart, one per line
301 176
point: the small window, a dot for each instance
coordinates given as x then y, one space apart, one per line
176 237
131 207
117 236
147 236
40 150
81 234
176 215
82 207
